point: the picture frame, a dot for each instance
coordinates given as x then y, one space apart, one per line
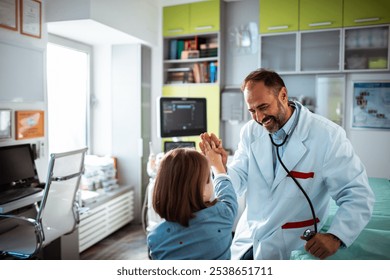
29 124
5 124
371 105
31 18
9 14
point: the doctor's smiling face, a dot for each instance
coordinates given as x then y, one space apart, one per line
268 105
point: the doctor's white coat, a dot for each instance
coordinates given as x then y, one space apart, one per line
277 213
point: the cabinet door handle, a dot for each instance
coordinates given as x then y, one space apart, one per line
277 27
175 30
320 23
203 27
366 19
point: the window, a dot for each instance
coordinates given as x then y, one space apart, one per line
68 67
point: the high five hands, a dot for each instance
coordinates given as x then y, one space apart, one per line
211 140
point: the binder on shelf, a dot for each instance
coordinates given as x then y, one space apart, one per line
180 48
173 49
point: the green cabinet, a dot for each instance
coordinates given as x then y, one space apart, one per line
279 15
320 14
204 16
199 17
176 20
366 12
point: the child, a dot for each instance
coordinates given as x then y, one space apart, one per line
194 226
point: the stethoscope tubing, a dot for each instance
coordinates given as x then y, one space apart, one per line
294 179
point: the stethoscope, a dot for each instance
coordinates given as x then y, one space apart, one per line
307 234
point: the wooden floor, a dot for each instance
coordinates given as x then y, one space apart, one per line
128 243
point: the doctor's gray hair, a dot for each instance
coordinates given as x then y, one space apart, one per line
270 78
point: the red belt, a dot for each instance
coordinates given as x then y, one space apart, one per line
300 224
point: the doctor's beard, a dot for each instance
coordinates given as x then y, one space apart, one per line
277 121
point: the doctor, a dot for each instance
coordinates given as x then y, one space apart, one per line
317 154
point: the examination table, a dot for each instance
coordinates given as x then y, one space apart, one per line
373 243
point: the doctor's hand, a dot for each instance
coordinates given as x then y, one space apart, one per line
217 147
322 245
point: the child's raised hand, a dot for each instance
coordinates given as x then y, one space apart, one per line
213 157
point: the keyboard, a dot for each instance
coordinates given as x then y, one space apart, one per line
15 194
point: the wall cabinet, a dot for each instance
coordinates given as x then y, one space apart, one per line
366 12
279 15
311 51
367 48
204 16
199 17
176 20
279 51
105 216
320 14
320 50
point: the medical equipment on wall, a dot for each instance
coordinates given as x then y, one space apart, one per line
307 233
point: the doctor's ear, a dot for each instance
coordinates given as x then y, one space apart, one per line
283 94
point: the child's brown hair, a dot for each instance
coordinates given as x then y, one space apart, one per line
178 189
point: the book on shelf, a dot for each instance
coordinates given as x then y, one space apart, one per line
205 72
196 71
208 52
180 75
194 47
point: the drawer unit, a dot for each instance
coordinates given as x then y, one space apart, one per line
98 222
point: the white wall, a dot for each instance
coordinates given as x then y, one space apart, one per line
16 39
115 29
101 102
139 20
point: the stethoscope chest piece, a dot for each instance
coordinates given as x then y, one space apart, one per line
308 234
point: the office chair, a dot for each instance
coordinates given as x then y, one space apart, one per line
57 212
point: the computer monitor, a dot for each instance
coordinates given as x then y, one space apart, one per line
17 166
179 116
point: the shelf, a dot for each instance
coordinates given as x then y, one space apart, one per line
191 60
365 49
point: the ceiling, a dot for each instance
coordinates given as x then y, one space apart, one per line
90 32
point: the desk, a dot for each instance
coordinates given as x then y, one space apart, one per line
65 247
20 203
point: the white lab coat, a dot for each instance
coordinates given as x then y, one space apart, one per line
322 155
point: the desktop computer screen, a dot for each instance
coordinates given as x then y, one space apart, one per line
17 166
